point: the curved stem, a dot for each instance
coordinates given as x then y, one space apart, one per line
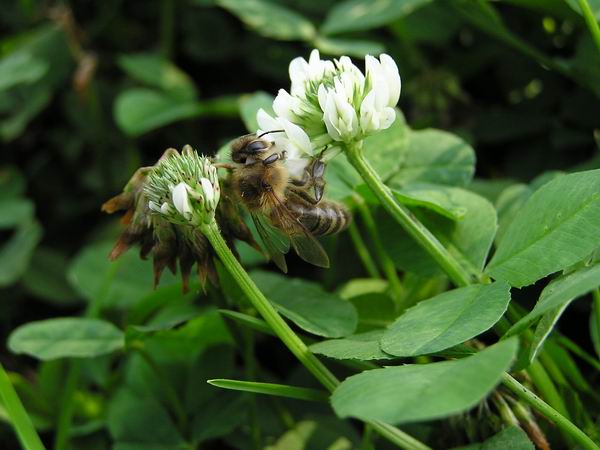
561 422
406 219
591 22
363 251
287 335
457 274
17 414
67 403
546 387
386 262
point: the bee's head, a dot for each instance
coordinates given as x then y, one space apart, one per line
251 146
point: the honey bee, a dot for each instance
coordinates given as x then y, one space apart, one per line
282 208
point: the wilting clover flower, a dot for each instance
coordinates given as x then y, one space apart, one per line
183 188
165 205
332 102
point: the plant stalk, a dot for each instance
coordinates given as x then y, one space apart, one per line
363 251
389 269
561 422
67 404
406 219
18 416
287 335
456 273
591 21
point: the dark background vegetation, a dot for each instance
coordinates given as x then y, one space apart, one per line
65 149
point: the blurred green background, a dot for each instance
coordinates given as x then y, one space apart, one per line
90 91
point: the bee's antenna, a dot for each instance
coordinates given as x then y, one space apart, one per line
269 132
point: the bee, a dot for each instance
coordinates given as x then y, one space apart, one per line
283 209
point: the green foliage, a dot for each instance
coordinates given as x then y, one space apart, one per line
556 227
66 337
270 20
138 111
446 320
434 156
494 150
363 346
511 437
308 305
469 238
356 15
428 391
560 291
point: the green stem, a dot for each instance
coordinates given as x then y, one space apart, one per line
167 28
18 416
479 15
591 21
67 404
266 310
363 251
386 262
287 335
578 351
65 415
406 219
546 387
561 422
453 269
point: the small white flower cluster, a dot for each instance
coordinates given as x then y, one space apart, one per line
331 102
183 188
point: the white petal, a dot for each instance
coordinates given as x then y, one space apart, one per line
330 117
393 78
296 166
314 58
153 206
371 66
297 136
367 110
285 105
298 69
207 187
322 93
388 115
348 120
266 122
179 194
165 208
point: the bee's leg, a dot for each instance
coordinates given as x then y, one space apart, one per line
225 166
301 182
318 170
271 159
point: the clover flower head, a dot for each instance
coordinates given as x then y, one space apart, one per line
333 102
183 188
293 139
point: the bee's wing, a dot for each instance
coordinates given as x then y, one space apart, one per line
309 249
276 242
304 243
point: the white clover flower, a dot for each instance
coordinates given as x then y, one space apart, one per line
181 201
333 102
183 188
293 140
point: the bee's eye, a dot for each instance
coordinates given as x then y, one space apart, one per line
256 146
